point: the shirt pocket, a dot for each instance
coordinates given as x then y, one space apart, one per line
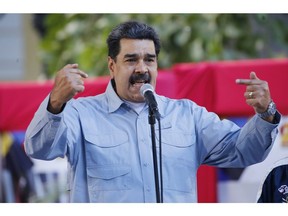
108 161
177 144
107 178
107 149
178 160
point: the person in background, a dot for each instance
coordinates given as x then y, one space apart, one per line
107 138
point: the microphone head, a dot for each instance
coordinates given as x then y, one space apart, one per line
146 87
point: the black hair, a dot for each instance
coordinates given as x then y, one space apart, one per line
131 30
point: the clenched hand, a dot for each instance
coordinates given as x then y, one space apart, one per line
68 82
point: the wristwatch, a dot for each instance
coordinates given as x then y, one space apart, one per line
271 110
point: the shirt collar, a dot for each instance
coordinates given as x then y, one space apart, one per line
114 102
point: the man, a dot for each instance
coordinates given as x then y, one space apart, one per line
107 138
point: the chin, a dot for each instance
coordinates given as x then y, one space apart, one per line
138 99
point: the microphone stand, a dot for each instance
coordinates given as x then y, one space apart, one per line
151 119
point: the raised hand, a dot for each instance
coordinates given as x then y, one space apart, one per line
68 82
257 92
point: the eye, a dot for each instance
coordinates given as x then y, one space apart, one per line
130 60
150 59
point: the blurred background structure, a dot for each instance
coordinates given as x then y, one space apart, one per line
19 42
35 46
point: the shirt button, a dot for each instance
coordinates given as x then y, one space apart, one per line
148 189
145 164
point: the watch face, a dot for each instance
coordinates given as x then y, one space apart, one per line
270 111
272 108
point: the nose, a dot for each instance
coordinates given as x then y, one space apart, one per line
141 67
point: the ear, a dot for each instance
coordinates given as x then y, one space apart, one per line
111 66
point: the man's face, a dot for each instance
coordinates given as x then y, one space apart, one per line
135 65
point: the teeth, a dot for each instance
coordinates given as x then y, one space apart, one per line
139 82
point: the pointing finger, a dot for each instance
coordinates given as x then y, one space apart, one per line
254 80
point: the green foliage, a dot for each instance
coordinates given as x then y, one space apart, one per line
81 38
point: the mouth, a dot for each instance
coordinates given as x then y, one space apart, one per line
139 83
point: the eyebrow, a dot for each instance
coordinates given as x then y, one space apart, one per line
136 55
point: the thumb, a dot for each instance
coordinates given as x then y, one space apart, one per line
75 65
253 75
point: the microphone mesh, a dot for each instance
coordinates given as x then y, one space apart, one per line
146 87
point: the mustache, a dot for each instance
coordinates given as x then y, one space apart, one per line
137 78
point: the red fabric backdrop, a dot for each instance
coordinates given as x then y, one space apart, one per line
20 100
210 84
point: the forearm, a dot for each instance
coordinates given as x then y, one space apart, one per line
44 131
256 139
240 148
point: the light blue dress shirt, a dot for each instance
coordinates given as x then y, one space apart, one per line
108 146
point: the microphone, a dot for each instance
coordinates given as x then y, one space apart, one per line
147 91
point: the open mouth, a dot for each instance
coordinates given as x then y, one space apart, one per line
139 82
